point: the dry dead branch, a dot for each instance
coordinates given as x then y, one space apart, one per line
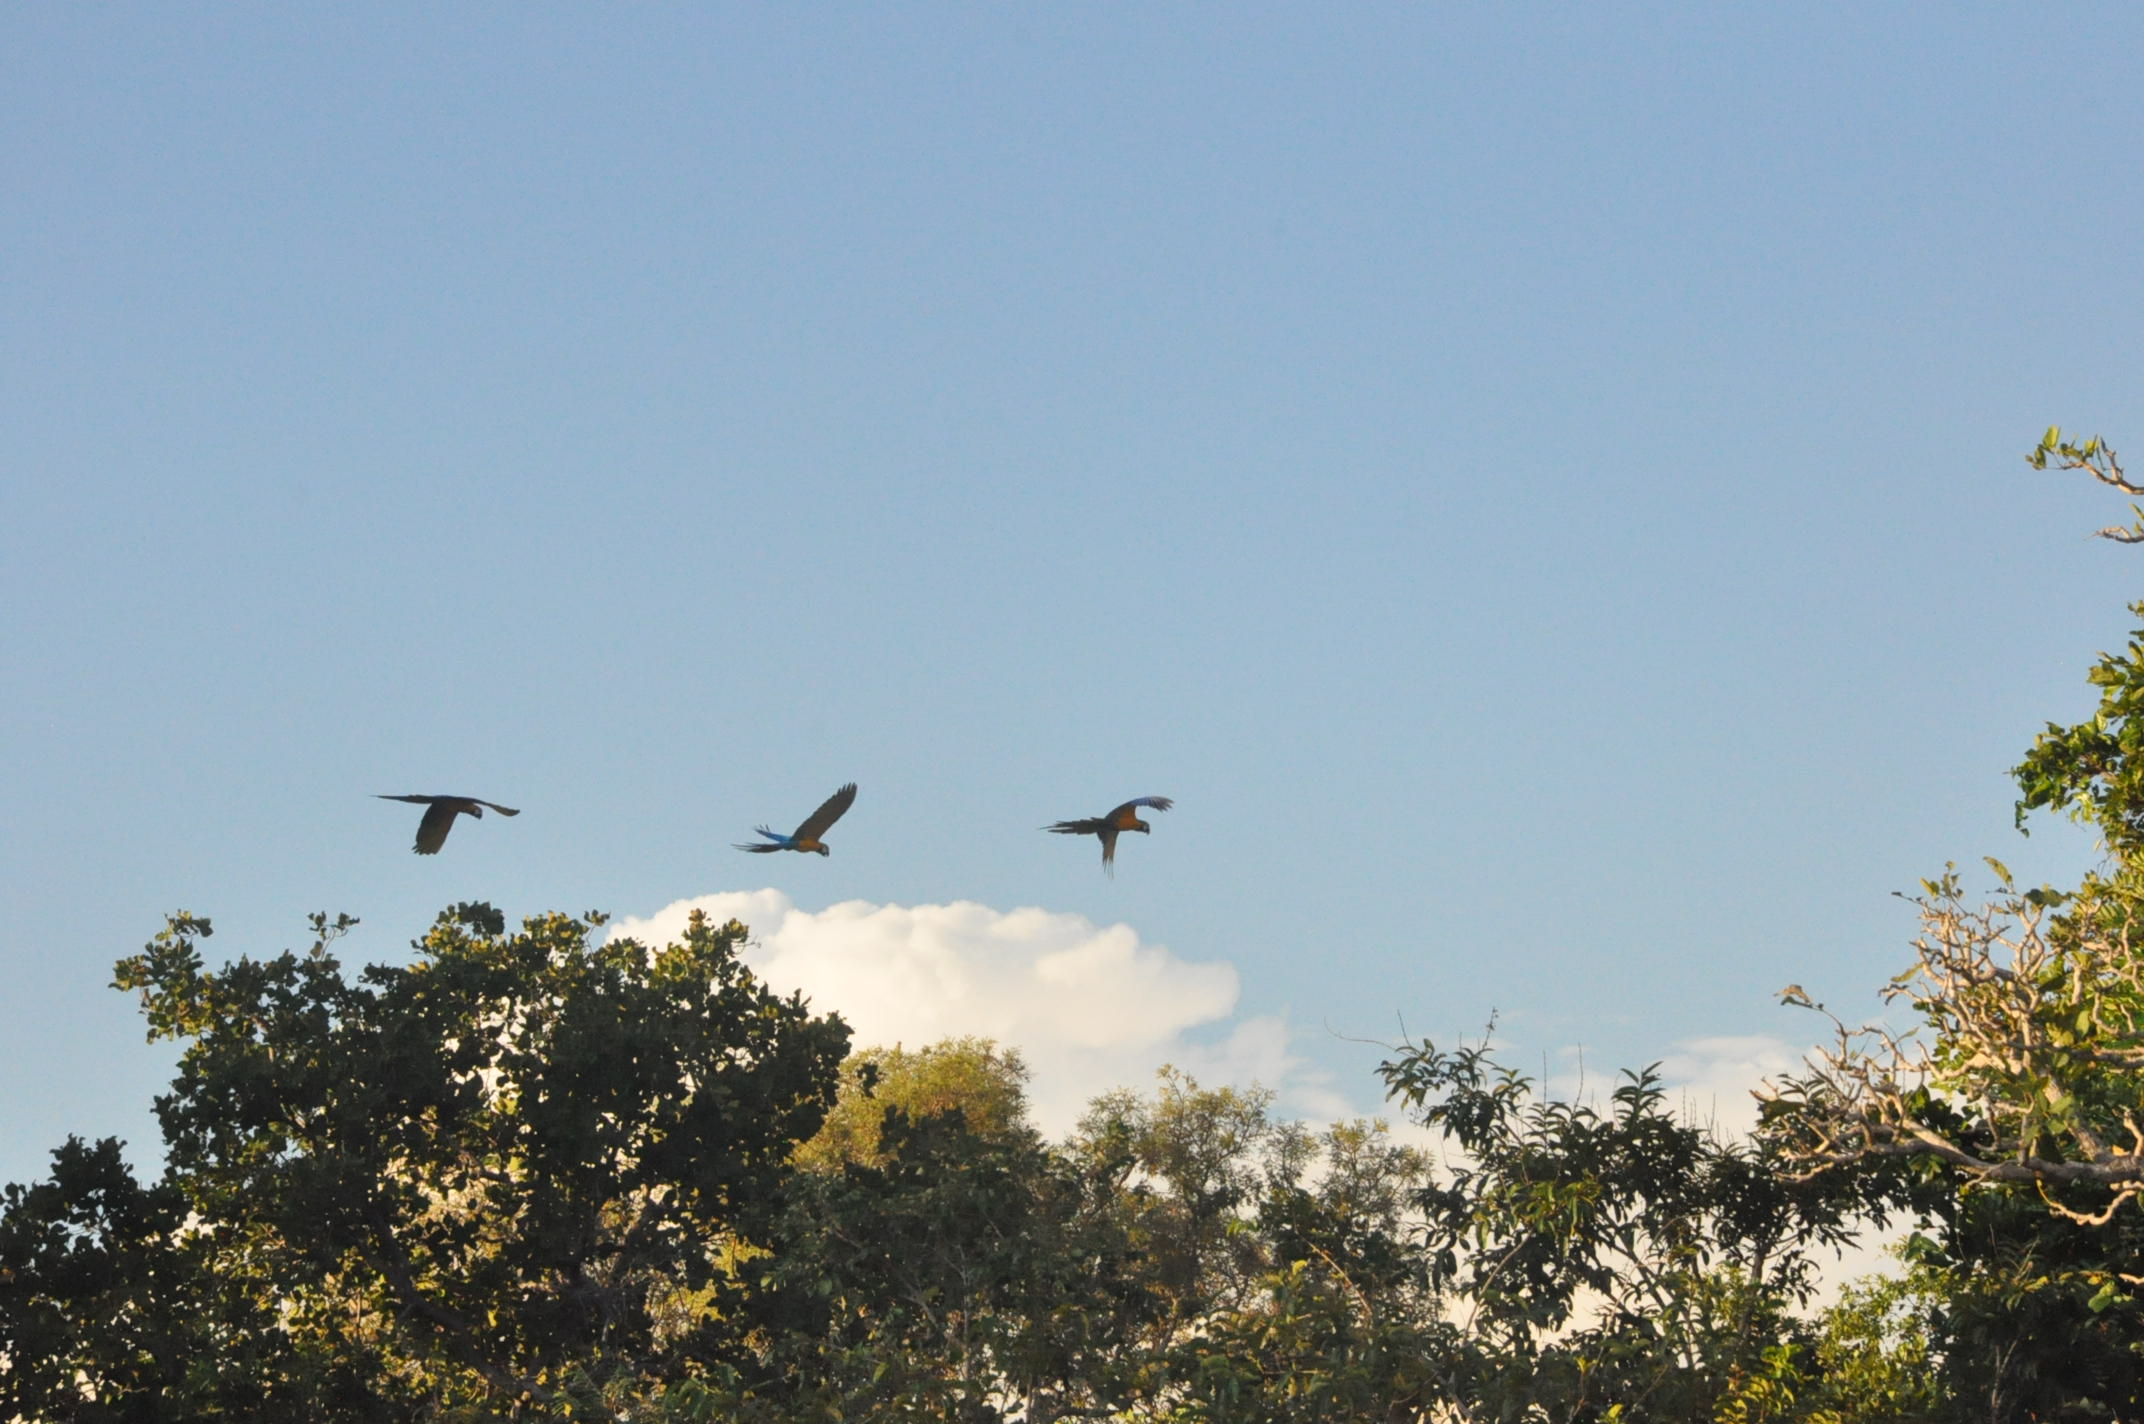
2030 1023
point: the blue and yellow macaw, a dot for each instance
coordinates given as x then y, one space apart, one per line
806 836
1124 818
439 814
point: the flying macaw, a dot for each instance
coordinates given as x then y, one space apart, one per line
806 836
439 814
1124 818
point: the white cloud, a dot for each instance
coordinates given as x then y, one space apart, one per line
1091 1007
1709 1081
1714 1079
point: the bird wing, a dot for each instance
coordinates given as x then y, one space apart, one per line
438 820
1158 803
1109 850
830 811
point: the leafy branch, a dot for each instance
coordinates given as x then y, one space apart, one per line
2096 458
2032 1024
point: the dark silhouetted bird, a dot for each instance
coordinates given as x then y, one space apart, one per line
1124 818
806 836
439 814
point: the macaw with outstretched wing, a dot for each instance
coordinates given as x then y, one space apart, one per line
439 814
1124 818
806 836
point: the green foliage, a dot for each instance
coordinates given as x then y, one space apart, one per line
2094 769
473 1183
958 1271
99 1287
1194 1161
986 1084
1312 1348
534 1176
1282 1263
1620 1260
2034 1314
1869 1359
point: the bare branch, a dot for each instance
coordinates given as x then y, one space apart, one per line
2005 1077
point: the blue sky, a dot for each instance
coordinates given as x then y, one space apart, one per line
1541 487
